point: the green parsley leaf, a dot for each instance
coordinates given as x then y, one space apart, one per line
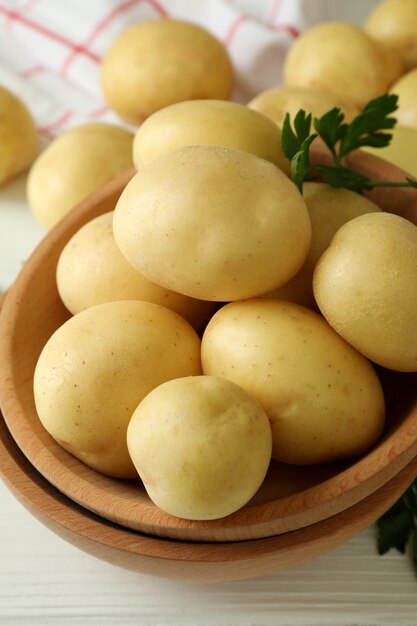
394 531
331 128
374 117
300 163
340 176
411 182
292 141
302 125
399 525
415 550
366 129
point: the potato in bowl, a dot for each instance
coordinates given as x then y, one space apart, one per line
288 498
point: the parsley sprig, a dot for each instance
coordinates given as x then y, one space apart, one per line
398 526
366 129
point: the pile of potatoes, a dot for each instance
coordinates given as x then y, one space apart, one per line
220 318
184 362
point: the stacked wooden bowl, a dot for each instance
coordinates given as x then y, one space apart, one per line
297 514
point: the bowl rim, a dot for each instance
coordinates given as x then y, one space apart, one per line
181 559
329 497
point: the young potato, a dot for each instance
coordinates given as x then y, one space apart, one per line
365 284
339 58
275 103
394 67
208 122
201 445
98 366
91 270
154 64
329 209
322 397
402 150
213 223
18 138
393 23
74 165
406 90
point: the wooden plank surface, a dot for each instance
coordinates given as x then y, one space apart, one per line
44 580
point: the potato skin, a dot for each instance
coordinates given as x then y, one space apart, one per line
154 64
393 23
275 103
18 137
91 270
323 399
339 58
329 209
74 165
406 89
365 284
98 366
402 149
201 445
213 223
217 122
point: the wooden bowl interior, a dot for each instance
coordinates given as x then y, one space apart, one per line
291 497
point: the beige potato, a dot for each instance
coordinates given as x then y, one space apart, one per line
394 67
74 165
201 445
402 150
339 58
365 284
154 64
213 223
98 366
322 397
275 103
329 209
18 138
208 122
406 89
393 23
91 270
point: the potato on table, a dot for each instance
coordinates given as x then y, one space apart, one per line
393 24
322 397
18 138
208 122
98 366
74 165
154 64
339 58
201 445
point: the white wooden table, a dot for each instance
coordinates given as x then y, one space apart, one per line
45 581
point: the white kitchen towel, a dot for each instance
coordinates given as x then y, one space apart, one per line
50 50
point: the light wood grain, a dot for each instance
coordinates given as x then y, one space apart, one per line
44 581
290 498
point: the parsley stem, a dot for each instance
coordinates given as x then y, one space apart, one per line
382 183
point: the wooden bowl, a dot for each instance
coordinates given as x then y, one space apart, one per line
180 559
290 498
